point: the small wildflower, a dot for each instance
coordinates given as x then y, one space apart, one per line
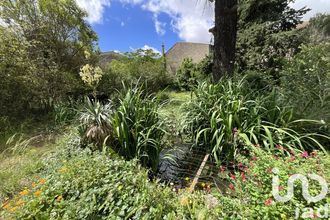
304 154
6 205
24 192
187 178
184 201
243 176
222 169
280 188
203 185
268 202
314 154
42 181
232 187
63 170
233 177
172 184
59 198
33 184
13 209
37 193
254 158
19 202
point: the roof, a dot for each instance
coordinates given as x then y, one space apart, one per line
183 50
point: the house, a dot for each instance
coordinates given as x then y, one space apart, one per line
183 50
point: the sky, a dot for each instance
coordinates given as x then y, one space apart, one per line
126 25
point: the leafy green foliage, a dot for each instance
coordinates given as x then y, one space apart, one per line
93 186
133 68
306 82
251 185
224 119
267 35
190 73
41 54
318 29
137 128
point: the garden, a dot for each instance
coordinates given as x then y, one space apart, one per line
131 140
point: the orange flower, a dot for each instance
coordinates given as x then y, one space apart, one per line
33 184
37 193
6 205
42 181
24 192
59 198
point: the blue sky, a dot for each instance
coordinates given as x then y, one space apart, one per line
126 25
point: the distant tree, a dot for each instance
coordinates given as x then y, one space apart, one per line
49 37
267 34
224 31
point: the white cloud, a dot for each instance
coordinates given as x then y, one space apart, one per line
94 8
317 6
159 26
191 20
122 24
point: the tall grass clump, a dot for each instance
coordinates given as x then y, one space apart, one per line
225 117
137 128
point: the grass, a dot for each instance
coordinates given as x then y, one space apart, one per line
22 158
172 108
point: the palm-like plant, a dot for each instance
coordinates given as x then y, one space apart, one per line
96 122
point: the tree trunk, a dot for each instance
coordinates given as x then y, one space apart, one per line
225 32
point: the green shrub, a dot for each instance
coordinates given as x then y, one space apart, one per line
225 117
306 81
251 185
92 186
141 66
190 73
137 128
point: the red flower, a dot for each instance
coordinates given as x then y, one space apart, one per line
304 154
280 188
243 176
232 187
268 202
233 177
314 154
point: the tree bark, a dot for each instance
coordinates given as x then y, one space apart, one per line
225 33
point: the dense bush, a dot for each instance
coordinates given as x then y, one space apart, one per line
190 73
142 66
249 194
306 81
41 54
82 185
225 117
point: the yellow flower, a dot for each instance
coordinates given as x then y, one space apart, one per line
13 209
19 202
203 185
37 193
59 198
187 178
24 192
42 181
63 170
184 201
